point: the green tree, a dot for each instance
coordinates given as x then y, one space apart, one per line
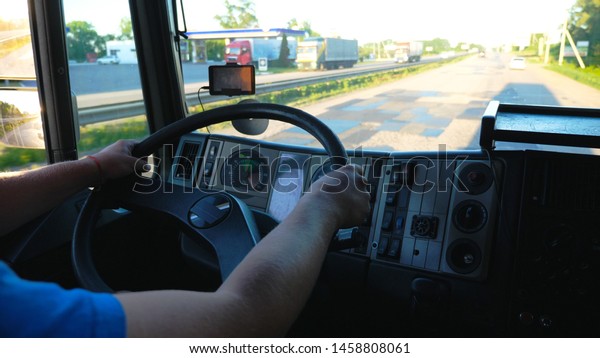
82 39
215 49
126 30
305 26
239 15
584 25
293 24
438 45
284 53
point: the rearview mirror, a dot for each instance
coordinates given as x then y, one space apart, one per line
20 119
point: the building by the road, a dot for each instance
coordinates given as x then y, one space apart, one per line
123 49
195 48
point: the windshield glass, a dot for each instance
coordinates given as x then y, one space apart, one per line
402 76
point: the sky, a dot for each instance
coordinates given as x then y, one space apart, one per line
476 21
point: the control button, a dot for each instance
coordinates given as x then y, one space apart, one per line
208 169
463 256
424 226
347 239
470 216
387 220
390 199
476 178
383 244
399 225
212 151
394 250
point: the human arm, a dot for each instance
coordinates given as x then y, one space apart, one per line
266 292
28 194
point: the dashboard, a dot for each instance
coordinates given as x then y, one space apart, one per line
435 215
466 243
431 216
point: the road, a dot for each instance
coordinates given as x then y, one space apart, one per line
421 112
12 34
18 63
91 78
97 85
439 107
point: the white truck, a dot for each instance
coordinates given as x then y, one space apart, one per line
317 53
410 51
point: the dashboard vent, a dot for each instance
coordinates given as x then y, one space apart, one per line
185 162
572 185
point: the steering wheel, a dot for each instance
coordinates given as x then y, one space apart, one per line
217 217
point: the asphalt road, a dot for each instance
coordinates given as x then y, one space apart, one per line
92 78
438 109
97 85
18 63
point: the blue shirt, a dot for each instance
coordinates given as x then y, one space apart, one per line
40 309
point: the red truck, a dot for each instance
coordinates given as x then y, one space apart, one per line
248 51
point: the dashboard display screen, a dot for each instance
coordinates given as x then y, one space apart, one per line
288 184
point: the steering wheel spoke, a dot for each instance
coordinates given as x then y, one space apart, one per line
228 225
217 217
220 218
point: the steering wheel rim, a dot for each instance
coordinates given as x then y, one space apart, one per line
82 259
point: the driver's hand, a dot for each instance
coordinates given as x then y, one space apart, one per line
343 193
116 160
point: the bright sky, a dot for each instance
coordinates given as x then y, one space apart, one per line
478 21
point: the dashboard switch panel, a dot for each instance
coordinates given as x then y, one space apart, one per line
442 222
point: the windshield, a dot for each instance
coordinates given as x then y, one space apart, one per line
429 68
414 76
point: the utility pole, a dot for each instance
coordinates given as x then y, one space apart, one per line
547 55
563 35
567 35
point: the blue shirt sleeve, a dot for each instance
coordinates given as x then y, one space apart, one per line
40 309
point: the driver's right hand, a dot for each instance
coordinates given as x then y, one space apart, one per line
343 193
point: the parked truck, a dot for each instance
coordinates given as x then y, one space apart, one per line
326 53
410 51
249 51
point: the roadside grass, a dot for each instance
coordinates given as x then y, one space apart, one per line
94 137
12 45
589 75
12 158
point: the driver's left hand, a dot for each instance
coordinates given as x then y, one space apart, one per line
116 160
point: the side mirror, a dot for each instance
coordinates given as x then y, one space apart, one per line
20 119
